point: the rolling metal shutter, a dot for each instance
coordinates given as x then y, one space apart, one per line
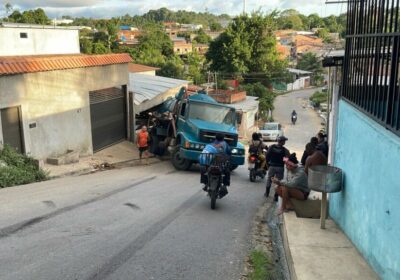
108 117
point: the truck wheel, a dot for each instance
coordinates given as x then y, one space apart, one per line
178 162
233 167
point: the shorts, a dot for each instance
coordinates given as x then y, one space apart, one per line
142 149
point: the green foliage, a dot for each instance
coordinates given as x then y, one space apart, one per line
265 97
215 26
290 19
319 97
202 37
173 68
37 16
247 48
315 21
262 266
100 48
310 62
196 71
323 33
18 169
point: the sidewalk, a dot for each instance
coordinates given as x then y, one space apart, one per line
124 153
314 253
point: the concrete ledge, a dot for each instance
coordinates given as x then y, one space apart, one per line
68 158
313 253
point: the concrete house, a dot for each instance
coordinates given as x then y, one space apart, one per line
54 99
364 134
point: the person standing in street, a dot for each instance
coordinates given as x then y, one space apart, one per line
143 143
322 143
274 158
310 147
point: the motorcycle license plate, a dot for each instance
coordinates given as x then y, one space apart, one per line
251 165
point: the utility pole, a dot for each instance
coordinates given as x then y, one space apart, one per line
244 7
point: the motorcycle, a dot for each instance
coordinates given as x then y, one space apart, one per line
215 165
294 119
254 168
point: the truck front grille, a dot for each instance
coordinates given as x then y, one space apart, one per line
209 136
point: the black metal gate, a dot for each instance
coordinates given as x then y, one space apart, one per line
12 130
371 80
108 117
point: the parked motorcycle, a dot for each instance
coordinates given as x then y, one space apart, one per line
254 168
294 119
215 165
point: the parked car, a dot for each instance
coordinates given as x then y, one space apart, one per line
270 131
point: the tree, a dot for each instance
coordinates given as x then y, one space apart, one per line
324 35
172 68
37 16
247 49
195 70
8 8
290 19
202 37
310 62
315 21
265 97
100 48
215 26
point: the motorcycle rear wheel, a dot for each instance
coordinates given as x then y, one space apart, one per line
213 196
252 175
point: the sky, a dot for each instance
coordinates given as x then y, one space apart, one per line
112 8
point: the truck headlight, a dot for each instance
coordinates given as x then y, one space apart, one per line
235 151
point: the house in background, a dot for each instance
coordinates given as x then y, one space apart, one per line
54 99
246 109
365 134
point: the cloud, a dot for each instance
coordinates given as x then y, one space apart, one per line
108 8
28 4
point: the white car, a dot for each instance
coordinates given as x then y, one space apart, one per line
271 131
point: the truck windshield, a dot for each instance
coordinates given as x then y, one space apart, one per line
212 113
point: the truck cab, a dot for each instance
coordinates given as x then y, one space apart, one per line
197 119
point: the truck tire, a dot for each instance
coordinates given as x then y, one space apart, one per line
178 162
233 167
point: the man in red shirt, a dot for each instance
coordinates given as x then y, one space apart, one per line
142 143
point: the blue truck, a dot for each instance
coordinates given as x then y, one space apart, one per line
184 125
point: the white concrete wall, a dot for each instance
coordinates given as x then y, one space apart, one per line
39 42
298 84
58 102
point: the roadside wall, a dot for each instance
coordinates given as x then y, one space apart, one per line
368 208
58 103
300 83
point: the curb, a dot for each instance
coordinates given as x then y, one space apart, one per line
289 259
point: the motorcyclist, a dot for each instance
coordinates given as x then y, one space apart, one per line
218 146
294 116
256 146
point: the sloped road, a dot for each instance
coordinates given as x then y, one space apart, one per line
133 223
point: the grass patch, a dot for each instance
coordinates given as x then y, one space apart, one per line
262 266
18 169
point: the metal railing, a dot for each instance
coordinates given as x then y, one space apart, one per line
371 64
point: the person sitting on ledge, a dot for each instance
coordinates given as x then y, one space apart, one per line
293 186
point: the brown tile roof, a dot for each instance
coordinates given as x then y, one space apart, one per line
137 68
11 65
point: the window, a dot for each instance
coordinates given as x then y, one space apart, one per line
183 109
371 63
23 35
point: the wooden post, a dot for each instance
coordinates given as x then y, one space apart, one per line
323 209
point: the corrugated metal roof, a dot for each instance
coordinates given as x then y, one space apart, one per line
146 87
136 68
298 71
11 65
249 104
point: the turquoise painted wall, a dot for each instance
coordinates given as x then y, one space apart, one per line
368 208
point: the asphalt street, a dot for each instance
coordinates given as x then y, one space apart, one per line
133 223
148 222
308 122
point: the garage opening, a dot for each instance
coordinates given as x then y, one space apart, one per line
108 117
12 129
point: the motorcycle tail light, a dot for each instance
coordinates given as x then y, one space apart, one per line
252 159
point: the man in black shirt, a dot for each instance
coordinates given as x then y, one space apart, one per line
274 157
